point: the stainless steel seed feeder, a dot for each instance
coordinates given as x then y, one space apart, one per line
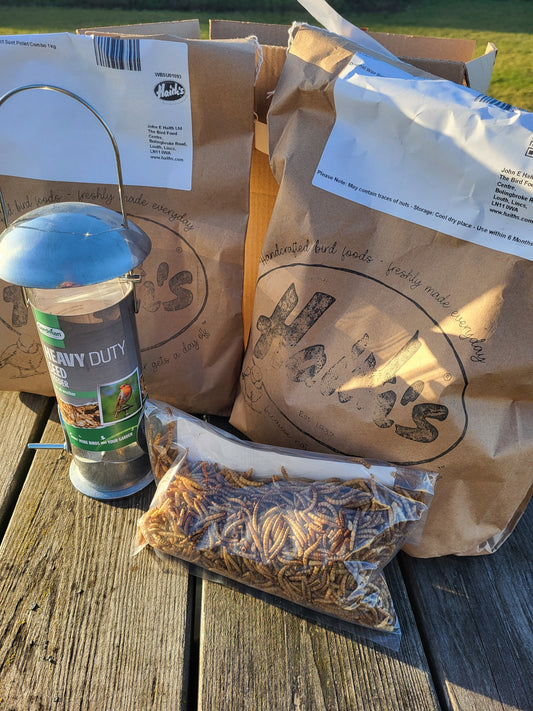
74 262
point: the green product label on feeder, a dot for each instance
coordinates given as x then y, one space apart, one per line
49 329
105 438
95 367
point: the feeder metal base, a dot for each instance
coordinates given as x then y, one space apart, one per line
85 487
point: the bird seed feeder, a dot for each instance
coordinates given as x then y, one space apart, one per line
74 262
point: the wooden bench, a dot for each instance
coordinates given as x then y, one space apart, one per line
84 625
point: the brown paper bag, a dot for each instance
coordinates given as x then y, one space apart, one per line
190 318
445 57
378 337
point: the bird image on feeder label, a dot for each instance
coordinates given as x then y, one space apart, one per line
94 364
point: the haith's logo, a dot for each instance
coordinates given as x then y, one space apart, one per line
169 91
377 372
175 286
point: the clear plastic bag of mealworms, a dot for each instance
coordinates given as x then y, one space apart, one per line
311 528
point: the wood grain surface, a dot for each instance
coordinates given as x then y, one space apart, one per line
87 626
257 656
476 618
22 419
84 625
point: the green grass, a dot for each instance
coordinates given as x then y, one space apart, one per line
507 23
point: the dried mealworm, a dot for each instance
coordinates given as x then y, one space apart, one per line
290 537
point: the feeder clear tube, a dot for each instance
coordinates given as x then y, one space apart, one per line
90 343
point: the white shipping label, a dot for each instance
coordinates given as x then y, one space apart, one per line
433 153
139 87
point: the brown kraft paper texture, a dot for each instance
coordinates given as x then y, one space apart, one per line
377 337
190 316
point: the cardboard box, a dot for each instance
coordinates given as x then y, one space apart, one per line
450 59
445 57
188 29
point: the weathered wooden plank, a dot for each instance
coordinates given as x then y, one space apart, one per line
84 625
476 617
22 419
258 656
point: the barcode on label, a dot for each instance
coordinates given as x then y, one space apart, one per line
494 102
116 53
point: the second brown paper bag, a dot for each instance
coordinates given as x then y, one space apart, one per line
375 336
